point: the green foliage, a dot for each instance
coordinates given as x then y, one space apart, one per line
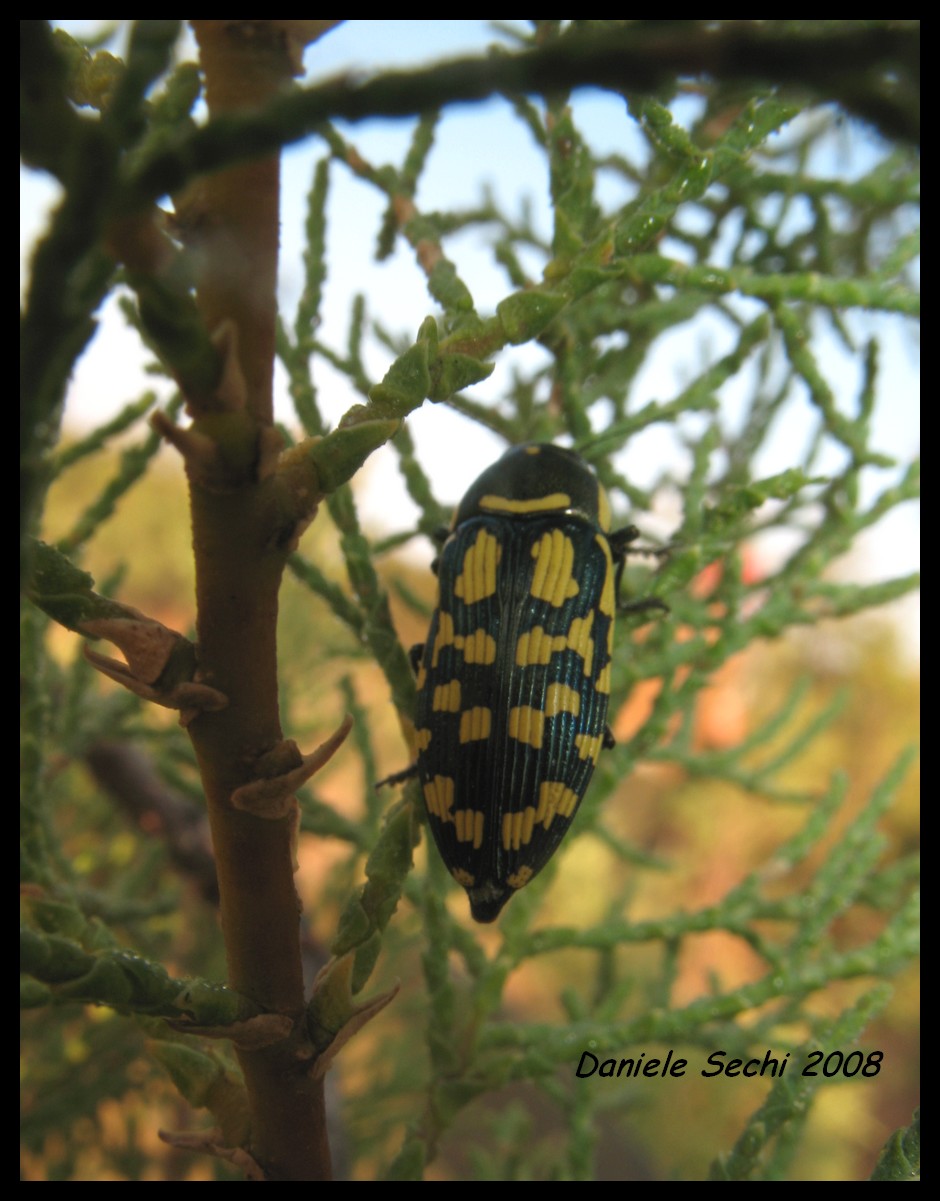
900 1160
810 905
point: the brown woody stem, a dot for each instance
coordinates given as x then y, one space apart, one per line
230 223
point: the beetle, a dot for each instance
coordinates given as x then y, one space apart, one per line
513 682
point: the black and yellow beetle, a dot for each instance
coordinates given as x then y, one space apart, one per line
514 679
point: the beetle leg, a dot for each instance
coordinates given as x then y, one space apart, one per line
620 547
399 777
642 605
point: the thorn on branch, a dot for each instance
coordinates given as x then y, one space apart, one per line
200 453
189 697
332 1016
272 797
263 1030
147 644
232 393
209 1142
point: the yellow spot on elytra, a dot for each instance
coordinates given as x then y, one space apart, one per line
607 602
555 797
439 795
526 725
478 647
447 697
478 578
422 739
537 647
475 724
554 560
469 823
520 878
559 698
445 635
580 640
517 828
463 877
588 747
603 680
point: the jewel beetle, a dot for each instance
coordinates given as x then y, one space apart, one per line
513 681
